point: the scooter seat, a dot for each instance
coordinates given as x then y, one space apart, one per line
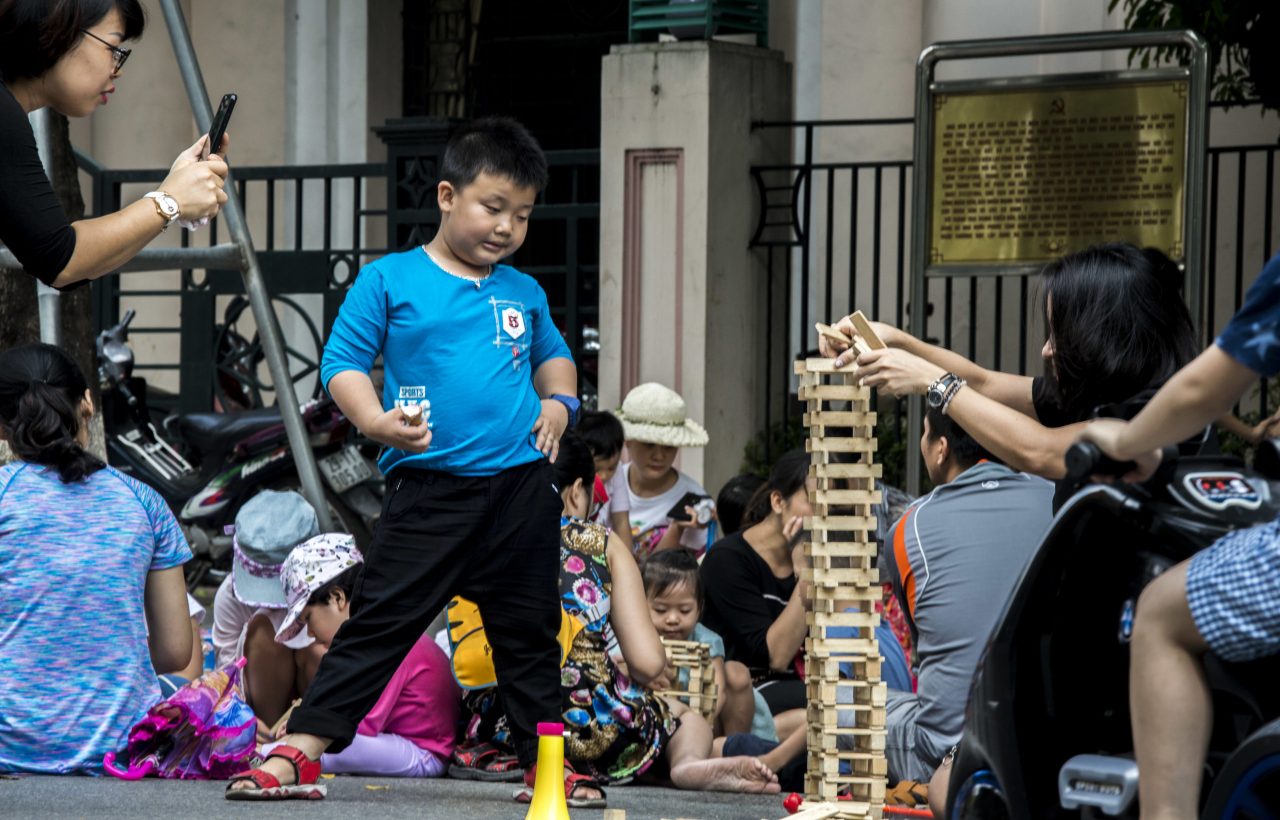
216 432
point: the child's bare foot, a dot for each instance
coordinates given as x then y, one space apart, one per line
726 774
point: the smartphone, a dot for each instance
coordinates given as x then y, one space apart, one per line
219 126
677 513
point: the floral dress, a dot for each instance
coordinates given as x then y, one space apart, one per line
617 729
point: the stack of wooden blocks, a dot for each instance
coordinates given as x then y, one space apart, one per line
845 591
700 694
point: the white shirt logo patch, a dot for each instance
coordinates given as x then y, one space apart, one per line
513 322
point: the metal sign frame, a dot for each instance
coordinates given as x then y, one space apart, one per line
1197 75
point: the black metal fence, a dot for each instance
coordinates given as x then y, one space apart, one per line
314 227
837 232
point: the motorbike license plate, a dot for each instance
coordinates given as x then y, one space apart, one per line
345 469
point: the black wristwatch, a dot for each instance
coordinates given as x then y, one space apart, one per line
937 392
571 404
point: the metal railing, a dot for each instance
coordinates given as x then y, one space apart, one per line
318 226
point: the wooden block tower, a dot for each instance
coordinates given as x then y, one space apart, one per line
846 588
694 656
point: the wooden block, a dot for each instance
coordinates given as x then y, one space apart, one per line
845 497
833 444
826 366
834 392
614 814
860 324
839 418
829 647
865 620
848 523
848 549
862 470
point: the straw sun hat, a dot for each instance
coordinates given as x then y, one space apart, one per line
655 414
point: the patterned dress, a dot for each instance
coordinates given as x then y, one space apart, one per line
617 729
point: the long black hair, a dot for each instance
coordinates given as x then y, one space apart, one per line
788 476
35 34
40 393
1117 322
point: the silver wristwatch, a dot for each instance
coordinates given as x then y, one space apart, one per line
166 206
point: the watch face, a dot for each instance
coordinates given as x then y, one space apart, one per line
169 205
934 397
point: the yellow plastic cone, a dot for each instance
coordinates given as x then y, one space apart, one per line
548 784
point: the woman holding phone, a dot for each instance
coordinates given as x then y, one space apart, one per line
67 56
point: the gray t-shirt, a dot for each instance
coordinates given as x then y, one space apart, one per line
956 555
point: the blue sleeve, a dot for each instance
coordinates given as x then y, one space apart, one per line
171 545
360 329
1251 337
711 639
547 342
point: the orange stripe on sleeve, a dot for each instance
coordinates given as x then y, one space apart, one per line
905 572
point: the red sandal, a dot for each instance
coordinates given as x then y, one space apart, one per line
572 781
485 761
306 772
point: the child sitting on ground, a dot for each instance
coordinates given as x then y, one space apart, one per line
674 591
618 728
602 432
250 606
410 731
656 425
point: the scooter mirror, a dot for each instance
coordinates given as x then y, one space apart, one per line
117 352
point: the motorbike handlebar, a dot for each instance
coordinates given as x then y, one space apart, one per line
1085 459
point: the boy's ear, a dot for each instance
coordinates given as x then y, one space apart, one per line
445 193
338 598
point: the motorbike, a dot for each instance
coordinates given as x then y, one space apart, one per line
206 465
1047 731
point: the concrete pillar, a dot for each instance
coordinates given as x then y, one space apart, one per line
682 297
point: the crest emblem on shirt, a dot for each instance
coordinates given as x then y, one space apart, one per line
512 322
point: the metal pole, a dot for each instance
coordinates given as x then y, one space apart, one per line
48 299
254 286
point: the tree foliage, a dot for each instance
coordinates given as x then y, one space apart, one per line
1243 37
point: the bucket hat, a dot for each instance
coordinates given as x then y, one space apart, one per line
268 526
311 565
656 414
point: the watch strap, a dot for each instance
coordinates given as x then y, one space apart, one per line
571 404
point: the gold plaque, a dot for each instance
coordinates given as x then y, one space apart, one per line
1026 175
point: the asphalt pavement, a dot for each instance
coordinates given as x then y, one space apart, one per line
352 798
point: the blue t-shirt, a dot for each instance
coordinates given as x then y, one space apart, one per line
469 347
75 671
1252 337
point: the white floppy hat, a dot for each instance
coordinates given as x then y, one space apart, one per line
312 564
655 414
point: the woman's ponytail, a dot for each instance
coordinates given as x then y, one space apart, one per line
40 393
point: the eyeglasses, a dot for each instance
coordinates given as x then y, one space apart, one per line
121 54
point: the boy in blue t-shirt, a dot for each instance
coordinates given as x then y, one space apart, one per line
1226 598
479 385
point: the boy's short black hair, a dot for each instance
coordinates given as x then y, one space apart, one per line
601 431
494 145
345 581
731 503
671 568
964 449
